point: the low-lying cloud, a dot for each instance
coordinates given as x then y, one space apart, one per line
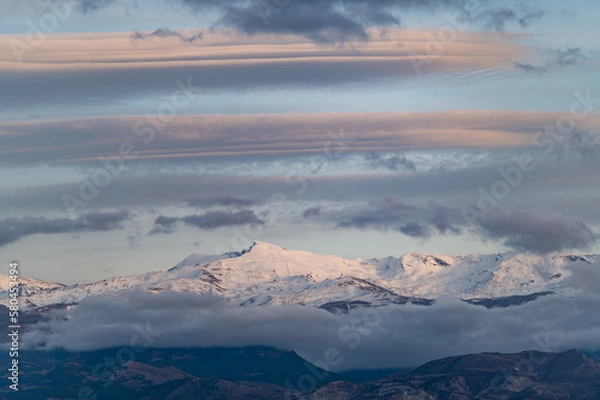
382 337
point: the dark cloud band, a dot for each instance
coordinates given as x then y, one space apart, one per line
523 230
13 229
207 221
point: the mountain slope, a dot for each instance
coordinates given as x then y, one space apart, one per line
491 376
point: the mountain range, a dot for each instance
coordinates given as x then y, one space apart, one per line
266 274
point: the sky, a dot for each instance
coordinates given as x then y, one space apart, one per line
135 133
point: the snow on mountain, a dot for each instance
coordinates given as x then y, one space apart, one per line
267 274
27 286
470 276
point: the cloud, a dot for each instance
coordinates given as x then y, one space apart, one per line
540 233
496 19
201 136
442 218
207 221
415 229
450 177
311 212
222 200
528 17
555 58
164 225
519 229
166 33
218 219
568 56
530 68
224 60
13 229
393 213
341 20
321 21
90 6
381 337
392 162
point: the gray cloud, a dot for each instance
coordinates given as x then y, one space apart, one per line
415 229
530 68
207 221
89 6
541 233
528 17
13 229
311 212
398 336
387 213
523 230
455 186
164 225
218 219
496 19
113 81
395 162
193 136
568 56
393 213
223 60
555 58
166 33
442 218
222 200
341 20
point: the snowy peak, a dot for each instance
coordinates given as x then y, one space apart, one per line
429 260
270 261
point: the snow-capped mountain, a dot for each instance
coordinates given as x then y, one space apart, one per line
28 286
267 274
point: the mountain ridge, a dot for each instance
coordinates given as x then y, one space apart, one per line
266 274
260 372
